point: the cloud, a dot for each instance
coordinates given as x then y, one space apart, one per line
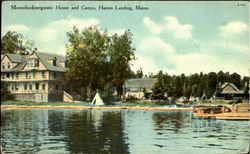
48 34
54 33
200 62
176 29
152 55
57 29
155 54
117 31
146 63
154 45
232 46
152 26
170 25
19 28
192 63
79 23
233 29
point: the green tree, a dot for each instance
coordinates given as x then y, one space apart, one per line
5 93
211 83
177 87
245 86
157 91
97 61
16 43
121 53
139 73
222 77
158 88
87 55
235 78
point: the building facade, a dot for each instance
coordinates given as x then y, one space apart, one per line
137 87
35 77
228 91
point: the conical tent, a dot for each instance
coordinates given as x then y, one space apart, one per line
97 100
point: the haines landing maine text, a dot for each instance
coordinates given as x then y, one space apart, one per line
81 7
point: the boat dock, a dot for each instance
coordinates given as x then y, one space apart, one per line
227 112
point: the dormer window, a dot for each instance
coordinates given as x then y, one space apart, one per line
52 61
31 62
36 63
26 75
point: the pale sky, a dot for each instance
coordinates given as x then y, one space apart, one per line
176 37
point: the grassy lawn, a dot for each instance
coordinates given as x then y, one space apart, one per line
31 103
128 103
141 104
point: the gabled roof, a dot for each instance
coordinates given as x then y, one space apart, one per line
140 83
234 91
15 58
21 64
44 57
228 84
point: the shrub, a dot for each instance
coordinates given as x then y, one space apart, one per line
5 93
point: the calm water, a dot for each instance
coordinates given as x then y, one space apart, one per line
121 131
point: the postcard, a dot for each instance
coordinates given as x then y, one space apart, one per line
125 77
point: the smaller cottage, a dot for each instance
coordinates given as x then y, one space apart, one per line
137 87
228 91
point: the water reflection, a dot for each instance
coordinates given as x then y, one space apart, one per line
173 121
57 131
22 130
121 131
95 132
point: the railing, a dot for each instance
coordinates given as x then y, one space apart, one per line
28 91
24 79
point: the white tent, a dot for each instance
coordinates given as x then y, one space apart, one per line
97 100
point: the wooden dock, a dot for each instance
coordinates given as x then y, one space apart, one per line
232 112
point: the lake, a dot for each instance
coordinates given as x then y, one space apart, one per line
118 131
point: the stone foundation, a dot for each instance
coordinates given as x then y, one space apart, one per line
51 97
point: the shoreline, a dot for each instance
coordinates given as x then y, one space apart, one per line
95 107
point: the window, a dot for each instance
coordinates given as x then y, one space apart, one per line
43 86
37 86
25 86
12 76
17 75
30 86
36 63
3 76
57 87
34 75
54 75
43 74
16 87
31 62
12 87
8 65
3 66
8 75
26 75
